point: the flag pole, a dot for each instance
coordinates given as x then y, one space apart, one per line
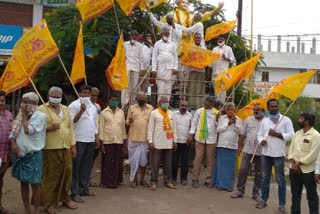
74 88
255 150
251 47
230 95
117 21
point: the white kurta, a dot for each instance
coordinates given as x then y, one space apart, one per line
134 63
164 61
183 124
228 135
196 28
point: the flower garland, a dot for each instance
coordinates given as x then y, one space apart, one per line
179 19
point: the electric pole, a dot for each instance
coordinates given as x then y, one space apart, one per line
239 15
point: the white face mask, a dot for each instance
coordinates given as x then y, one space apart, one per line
133 41
165 38
221 44
55 100
86 100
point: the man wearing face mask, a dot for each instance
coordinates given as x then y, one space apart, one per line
112 135
183 120
162 140
203 130
229 127
303 153
273 142
249 133
222 64
164 64
27 140
135 66
83 114
174 29
59 149
138 148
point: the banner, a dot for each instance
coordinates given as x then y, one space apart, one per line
117 71
9 35
292 86
128 5
197 57
235 74
247 111
219 29
35 48
150 4
92 8
78 71
13 77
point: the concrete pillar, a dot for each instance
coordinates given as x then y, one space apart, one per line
311 51
269 45
298 44
292 50
37 14
259 43
302 47
288 47
279 44
314 45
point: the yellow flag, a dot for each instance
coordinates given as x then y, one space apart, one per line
150 3
197 57
92 8
292 86
117 71
35 48
128 5
247 111
233 75
13 77
218 29
78 71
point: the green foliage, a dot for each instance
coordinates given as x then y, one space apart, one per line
302 104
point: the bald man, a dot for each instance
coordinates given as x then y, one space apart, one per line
183 120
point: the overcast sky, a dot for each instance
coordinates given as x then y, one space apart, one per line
278 17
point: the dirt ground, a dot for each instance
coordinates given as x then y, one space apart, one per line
183 200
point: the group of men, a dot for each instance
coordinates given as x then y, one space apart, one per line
52 148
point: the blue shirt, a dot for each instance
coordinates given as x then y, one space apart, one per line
35 140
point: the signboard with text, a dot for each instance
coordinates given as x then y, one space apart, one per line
9 35
47 3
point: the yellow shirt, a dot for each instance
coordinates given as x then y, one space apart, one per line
305 147
112 127
138 129
62 138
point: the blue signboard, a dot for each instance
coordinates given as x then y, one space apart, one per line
9 35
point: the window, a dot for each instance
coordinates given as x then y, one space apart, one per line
265 76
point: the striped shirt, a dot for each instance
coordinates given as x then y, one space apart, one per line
5 130
250 129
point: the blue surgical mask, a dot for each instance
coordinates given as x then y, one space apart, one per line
165 106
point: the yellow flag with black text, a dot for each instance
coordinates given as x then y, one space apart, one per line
117 71
78 71
219 29
235 74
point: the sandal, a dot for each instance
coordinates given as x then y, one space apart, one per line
5 211
51 210
93 184
236 195
133 184
70 205
144 183
77 199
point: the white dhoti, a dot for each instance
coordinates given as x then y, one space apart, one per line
164 83
133 77
138 156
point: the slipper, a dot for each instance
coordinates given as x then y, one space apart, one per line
51 210
5 211
93 184
77 199
70 205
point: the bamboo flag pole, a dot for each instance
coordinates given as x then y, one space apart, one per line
74 88
230 95
117 21
255 150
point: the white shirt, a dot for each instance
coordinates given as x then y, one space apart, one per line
134 56
221 65
147 54
275 147
86 127
212 126
175 34
228 135
317 170
196 28
164 58
183 124
157 135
